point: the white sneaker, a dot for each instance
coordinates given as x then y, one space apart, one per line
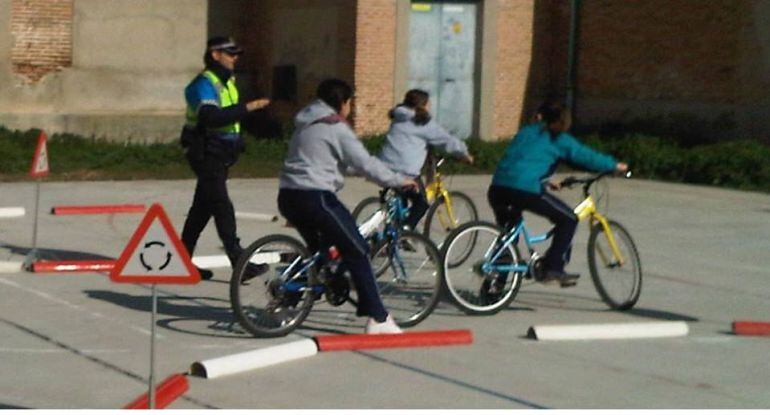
386 327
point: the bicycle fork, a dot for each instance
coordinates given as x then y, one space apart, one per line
619 261
587 209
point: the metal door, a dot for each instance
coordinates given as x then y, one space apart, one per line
442 60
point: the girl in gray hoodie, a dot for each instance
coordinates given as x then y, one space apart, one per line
412 131
321 150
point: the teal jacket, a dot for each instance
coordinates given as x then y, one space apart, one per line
533 156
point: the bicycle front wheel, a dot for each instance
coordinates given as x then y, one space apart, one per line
411 282
446 215
618 280
268 291
471 278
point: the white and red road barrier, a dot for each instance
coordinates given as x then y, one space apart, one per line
99 265
97 209
9 267
211 261
102 265
12 212
751 328
256 216
609 331
166 392
332 343
255 359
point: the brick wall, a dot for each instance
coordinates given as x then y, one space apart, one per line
683 50
514 54
42 37
374 67
316 37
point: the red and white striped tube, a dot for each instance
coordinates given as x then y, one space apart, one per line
166 392
386 341
73 266
97 209
751 328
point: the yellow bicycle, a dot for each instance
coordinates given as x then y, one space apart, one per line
448 208
487 279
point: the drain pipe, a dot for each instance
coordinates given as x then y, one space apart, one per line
574 22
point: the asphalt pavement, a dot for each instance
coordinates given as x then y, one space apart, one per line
77 340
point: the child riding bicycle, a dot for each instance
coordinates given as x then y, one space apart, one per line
520 180
412 131
322 148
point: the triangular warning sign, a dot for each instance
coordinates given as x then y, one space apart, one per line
154 254
40 159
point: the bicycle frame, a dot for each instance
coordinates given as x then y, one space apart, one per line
586 210
436 190
497 250
289 275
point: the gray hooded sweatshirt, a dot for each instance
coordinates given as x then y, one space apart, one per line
407 143
323 147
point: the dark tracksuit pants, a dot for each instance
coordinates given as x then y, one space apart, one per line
211 199
418 203
323 220
508 205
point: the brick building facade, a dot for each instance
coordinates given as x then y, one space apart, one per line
116 68
42 32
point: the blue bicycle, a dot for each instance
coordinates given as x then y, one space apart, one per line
488 279
276 302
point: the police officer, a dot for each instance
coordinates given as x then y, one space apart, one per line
212 143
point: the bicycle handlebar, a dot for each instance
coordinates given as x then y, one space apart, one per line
571 181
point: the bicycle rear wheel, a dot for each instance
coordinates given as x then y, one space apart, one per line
440 221
411 282
619 284
268 293
469 286
365 208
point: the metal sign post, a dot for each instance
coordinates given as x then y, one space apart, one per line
152 345
38 169
154 255
32 254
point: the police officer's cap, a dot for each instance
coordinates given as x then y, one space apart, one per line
223 43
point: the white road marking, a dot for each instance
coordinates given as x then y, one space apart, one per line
53 299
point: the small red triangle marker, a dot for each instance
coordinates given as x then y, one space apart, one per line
39 166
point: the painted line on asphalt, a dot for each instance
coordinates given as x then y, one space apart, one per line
46 351
96 360
705 285
433 375
94 314
12 212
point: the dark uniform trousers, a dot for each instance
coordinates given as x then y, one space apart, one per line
211 199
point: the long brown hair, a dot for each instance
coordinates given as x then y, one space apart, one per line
416 99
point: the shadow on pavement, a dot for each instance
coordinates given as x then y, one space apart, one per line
7 406
659 314
560 299
49 254
217 321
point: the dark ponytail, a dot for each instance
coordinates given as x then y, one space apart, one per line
553 112
416 99
556 116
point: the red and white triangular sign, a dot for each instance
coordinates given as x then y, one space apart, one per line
40 159
154 254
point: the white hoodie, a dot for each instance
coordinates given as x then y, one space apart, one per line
407 144
323 147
